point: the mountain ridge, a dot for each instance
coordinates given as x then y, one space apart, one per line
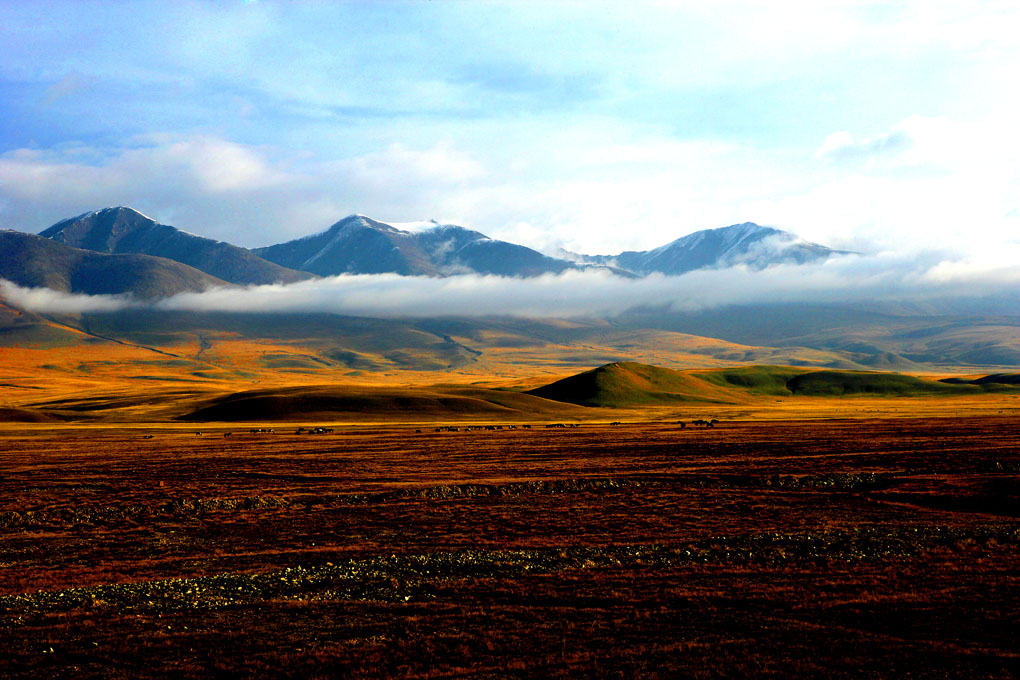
123 230
361 245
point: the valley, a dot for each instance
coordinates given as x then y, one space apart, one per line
773 489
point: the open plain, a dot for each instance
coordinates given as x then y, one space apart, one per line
837 537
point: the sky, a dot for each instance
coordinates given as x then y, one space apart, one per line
879 127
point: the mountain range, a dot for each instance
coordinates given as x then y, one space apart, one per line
361 245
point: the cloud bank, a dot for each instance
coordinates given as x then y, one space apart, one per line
849 279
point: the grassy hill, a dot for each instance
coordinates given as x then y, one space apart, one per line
837 383
630 384
357 402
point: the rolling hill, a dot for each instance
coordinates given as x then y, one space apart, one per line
628 384
125 230
883 339
335 402
631 384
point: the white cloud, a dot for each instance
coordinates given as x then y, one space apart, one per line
927 278
49 301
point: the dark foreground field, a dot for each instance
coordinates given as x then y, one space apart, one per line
885 548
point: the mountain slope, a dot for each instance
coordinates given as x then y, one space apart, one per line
355 245
33 261
747 244
22 328
455 248
124 230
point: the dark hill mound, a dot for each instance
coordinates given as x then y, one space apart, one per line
994 379
19 415
836 383
304 403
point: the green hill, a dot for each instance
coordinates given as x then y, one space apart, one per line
768 380
630 384
837 383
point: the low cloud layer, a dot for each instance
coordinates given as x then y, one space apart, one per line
850 279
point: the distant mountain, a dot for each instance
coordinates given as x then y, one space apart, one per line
456 248
361 245
30 260
747 244
125 230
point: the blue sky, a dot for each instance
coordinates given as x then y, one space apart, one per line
594 126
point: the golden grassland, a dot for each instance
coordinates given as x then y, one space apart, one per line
104 382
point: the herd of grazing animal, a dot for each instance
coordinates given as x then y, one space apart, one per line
452 428
470 428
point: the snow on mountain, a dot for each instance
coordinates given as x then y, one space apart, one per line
358 244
